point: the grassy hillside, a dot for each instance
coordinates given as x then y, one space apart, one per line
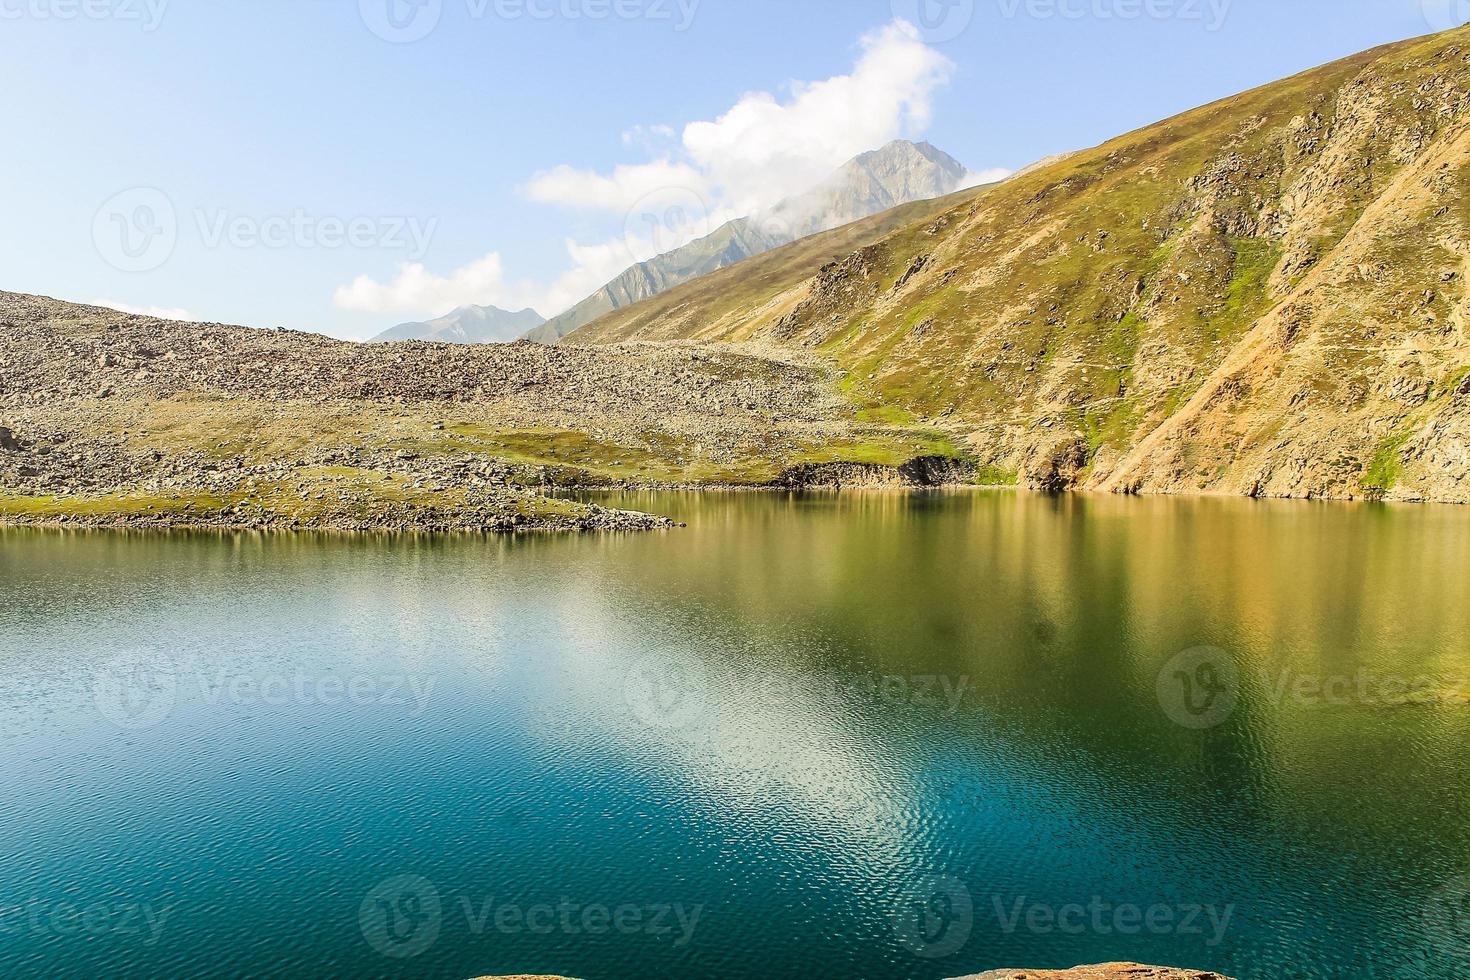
1265 295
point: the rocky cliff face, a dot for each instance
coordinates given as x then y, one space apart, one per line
922 472
1263 296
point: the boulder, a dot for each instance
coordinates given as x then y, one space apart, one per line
1105 971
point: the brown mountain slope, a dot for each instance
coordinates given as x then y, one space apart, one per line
1265 295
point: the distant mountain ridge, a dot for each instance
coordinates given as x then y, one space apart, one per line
467 325
899 173
731 243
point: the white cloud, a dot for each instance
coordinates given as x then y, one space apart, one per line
620 191
161 312
975 178
648 136
416 290
763 149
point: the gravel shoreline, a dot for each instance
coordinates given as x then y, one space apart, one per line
110 419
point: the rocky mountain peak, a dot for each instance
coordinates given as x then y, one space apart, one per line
467 324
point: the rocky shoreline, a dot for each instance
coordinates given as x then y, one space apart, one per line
338 489
485 521
114 420
1103 971
327 490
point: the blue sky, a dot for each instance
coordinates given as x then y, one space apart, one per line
318 164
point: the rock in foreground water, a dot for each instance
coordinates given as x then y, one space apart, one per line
1104 971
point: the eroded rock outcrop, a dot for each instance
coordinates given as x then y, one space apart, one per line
922 472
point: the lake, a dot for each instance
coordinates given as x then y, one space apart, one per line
873 736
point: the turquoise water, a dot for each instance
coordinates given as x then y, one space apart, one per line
874 736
